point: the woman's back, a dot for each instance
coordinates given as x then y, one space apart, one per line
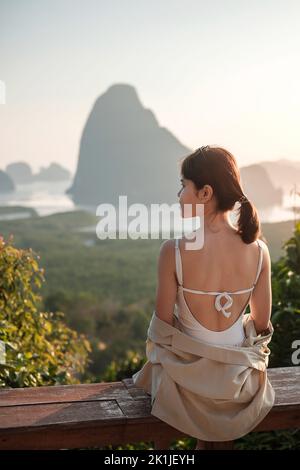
223 267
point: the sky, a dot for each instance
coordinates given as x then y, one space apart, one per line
218 72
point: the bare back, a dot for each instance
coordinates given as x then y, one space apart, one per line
226 263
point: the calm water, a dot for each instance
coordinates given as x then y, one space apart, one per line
45 197
49 198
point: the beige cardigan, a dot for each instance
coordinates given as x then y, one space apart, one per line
211 392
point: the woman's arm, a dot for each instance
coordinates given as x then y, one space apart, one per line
166 282
261 299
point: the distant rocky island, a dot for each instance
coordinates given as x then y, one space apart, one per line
54 172
6 183
21 173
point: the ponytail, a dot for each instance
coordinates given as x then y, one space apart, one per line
248 222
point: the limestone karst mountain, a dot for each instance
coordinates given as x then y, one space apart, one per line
125 151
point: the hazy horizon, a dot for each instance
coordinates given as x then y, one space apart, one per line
212 73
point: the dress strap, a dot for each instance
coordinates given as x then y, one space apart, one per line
178 261
259 262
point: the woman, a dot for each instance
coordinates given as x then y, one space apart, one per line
231 270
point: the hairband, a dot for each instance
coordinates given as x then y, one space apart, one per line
243 199
201 149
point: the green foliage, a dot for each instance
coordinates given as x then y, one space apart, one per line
277 440
187 443
119 370
117 330
40 348
288 439
286 302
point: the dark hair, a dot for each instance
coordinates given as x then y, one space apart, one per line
218 167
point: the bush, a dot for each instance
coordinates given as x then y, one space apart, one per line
286 302
39 348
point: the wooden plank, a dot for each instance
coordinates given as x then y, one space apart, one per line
63 393
133 390
86 436
95 415
138 408
25 417
280 417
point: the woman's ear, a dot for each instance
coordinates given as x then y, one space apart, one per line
205 194
208 192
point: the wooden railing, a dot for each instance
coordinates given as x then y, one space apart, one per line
116 413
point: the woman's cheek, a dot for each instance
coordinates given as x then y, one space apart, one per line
184 202
185 197
182 197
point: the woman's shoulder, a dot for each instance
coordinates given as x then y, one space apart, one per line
167 254
266 260
167 249
167 245
262 243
